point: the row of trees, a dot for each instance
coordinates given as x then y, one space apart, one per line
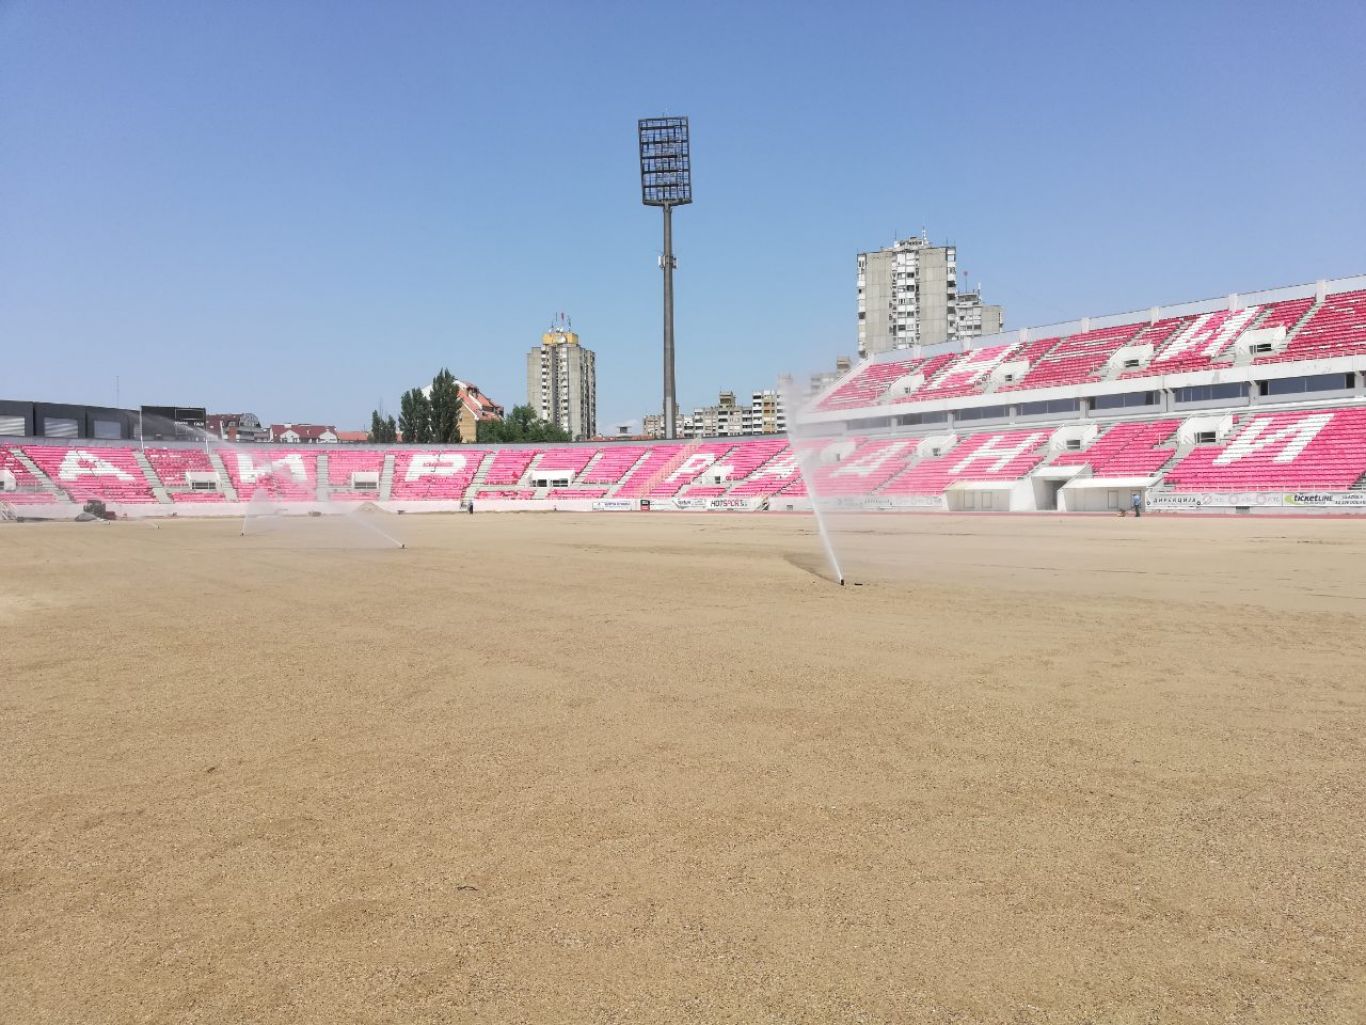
433 417
383 429
521 424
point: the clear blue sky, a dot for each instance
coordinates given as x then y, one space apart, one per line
301 209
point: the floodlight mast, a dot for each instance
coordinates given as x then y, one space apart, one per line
666 181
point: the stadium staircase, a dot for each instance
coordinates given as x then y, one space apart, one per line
225 484
1294 329
1233 357
480 475
386 478
613 489
324 485
153 478
524 481
597 458
684 454
45 483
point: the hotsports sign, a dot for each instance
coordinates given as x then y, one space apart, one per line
718 504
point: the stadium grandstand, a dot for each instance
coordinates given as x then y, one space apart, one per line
1244 403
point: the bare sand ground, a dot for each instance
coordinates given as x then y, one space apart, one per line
653 768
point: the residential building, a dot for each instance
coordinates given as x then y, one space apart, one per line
303 434
236 427
729 419
824 379
766 413
908 295
562 381
652 425
976 318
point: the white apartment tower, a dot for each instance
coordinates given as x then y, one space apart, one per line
908 295
562 381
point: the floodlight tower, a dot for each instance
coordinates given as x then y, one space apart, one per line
666 181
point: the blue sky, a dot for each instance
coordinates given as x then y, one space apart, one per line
302 209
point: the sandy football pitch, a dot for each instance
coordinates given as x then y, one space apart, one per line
557 768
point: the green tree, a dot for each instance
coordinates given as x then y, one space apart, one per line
521 425
415 417
390 430
445 408
376 426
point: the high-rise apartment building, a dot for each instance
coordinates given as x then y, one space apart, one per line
729 419
825 378
908 295
976 318
562 381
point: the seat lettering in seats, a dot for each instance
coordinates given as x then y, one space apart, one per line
867 465
972 367
998 453
1258 435
692 466
1212 329
434 464
250 471
784 465
80 463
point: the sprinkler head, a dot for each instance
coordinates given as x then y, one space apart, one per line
841 581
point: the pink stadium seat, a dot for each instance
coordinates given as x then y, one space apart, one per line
695 461
342 463
1287 314
1125 450
868 382
1322 449
1337 328
770 476
1193 343
615 461
29 487
435 474
995 456
929 368
572 460
509 465
659 460
277 473
862 471
172 465
109 474
1076 358
966 374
